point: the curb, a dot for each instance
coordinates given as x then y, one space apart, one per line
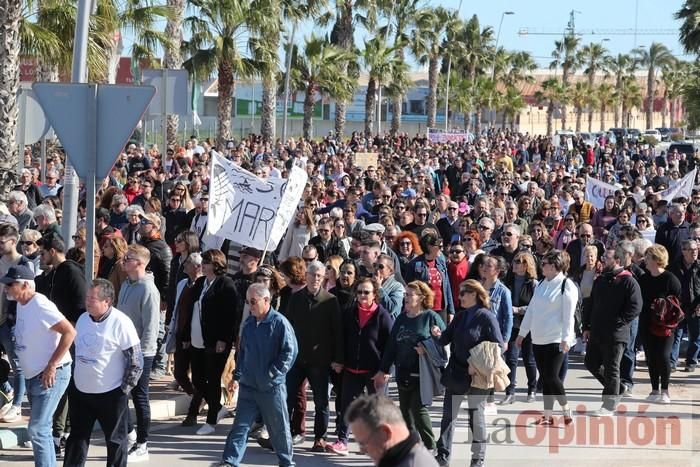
13 436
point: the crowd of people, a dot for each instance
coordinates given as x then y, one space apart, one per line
438 269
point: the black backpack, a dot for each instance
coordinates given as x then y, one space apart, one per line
578 317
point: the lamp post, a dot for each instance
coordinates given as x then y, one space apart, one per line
493 66
447 83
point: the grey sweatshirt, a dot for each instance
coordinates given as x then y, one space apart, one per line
140 301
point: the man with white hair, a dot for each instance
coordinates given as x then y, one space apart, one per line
17 205
43 336
51 185
45 218
315 316
29 188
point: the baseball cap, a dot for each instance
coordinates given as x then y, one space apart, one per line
17 273
409 193
374 228
153 218
250 251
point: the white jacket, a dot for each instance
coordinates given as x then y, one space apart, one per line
296 238
550 315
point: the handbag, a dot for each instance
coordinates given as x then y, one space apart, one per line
666 314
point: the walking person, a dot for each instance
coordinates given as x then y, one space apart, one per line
410 329
108 364
688 273
615 302
267 352
550 321
43 336
658 283
139 299
473 325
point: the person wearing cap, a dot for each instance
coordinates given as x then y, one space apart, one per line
250 258
43 336
108 364
376 233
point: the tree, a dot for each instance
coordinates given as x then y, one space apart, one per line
605 94
595 58
689 35
657 57
513 104
426 46
219 43
484 90
621 66
564 54
629 97
579 99
399 83
10 16
379 61
551 93
675 85
172 54
318 69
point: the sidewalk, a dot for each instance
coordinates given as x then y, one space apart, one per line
165 404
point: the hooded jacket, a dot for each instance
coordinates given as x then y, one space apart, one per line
140 301
616 300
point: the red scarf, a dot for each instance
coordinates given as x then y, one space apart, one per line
365 313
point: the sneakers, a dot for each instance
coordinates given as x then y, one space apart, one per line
138 453
477 463
223 412
602 412
544 421
298 439
319 446
442 460
568 419
131 438
689 368
665 398
338 447
13 414
206 429
190 420
490 409
57 447
265 443
654 396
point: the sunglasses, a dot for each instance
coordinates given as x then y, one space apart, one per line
379 266
364 292
146 222
27 243
526 246
456 251
308 260
508 234
404 243
464 292
519 261
484 227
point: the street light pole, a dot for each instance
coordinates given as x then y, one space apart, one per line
493 66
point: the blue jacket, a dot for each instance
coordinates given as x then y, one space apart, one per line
392 293
268 350
502 307
417 270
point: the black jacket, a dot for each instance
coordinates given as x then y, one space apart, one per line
574 250
333 248
616 300
175 275
66 287
346 297
218 319
690 284
671 237
161 255
523 298
317 325
364 346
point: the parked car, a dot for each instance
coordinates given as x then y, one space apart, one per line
683 148
652 134
620 134
665 133
633 134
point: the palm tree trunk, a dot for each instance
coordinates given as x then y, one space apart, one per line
10 14
226 86
477 120
618 105
602 117
269 107
396 114
673 111
370 106
650 98
590 120
309 95
341 108
346 42
550 119
433 70
172 57
623 117
579 116
664 110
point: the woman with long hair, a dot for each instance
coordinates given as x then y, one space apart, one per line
300 231
415 325
521 280
603 217
473 325
273 280
549 320
657 283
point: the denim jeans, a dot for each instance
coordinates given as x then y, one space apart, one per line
142 407
676 346
511 357
629 358
319 379
43 402
476 399
691 358
272 405
8 343
161 358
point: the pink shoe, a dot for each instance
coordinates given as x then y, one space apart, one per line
338 448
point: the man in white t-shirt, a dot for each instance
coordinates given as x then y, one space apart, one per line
108 365
42 339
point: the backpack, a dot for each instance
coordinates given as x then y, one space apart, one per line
666 314
578 311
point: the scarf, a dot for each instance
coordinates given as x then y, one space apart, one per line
364 313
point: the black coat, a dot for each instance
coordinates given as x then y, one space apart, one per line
333 248
219 320
690 284
574 250
66 287
671 236
523 298
159 265
364 346
616 300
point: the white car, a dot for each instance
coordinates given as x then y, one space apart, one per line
653 134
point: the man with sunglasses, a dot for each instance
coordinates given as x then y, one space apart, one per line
576 248
448 226
509 246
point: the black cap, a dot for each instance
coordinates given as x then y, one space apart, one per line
16 273
250 251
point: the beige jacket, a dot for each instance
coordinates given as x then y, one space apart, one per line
487 367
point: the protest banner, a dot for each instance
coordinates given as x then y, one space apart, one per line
597 191
366 159
249 210
438 136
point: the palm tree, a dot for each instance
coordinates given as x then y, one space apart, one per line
690 28
595 58
629 97
605 93
579 99
426 46
621 66
379 61
396 89
484 90
657 57
551 93
675 84
564 54
318 70
10 17
172 54
220 30
513 104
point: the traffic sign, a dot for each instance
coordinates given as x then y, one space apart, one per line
173 85
93 122
31 117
